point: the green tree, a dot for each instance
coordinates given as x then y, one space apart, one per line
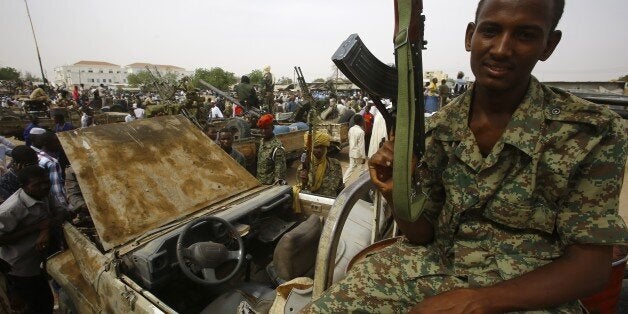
256 76
9 74
623 78
284 80
218 77
141 78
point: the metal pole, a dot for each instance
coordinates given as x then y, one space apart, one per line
41 68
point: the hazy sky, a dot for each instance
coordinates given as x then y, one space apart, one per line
242 35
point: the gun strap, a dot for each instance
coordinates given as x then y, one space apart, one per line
408 205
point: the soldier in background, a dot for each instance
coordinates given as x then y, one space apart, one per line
246 93
443 92
225 140
40 94
460 85
63 101
325 174
268 86
271 157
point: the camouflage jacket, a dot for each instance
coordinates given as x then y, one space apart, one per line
246 94
267 85
332 180
553 179
271 161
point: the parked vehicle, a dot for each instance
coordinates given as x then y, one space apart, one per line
177 226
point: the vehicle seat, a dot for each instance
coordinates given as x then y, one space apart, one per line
295 253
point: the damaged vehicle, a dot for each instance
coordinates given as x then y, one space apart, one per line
177 226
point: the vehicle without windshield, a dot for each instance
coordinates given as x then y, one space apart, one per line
178 226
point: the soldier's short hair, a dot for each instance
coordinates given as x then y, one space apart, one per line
559 8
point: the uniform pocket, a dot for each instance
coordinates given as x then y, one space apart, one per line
537 215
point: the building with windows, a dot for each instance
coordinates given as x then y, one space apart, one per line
94 73
90 73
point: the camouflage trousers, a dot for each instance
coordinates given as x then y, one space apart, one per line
395 279
386 282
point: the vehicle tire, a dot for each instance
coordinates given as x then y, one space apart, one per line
244 128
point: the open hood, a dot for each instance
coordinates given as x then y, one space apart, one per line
144 174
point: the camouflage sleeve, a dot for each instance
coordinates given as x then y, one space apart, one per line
280 164
589 211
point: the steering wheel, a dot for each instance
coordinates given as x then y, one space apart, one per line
208 255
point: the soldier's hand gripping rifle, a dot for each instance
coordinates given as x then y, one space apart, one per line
306 157
404 85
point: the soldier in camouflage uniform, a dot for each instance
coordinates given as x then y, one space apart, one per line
271 156
268 87
521 210
325 174
246 93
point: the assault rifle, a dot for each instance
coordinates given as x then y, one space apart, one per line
363 69
403 85
305 92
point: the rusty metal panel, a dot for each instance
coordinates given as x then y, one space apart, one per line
63 268
141 175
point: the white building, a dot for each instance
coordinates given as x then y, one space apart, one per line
90 73
94 73
162 68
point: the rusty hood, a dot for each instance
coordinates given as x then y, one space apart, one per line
144 174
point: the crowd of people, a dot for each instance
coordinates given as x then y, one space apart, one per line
34 205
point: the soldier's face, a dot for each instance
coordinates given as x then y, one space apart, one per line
267 132
319 151
510 37
226 139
